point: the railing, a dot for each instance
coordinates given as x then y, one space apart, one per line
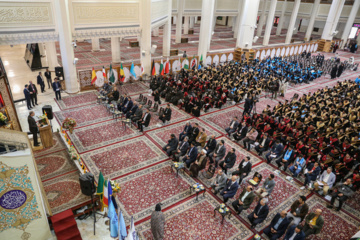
9 146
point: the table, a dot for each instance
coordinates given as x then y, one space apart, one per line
100 99
116 114
126 121
197 191
177 168
223 214
110 107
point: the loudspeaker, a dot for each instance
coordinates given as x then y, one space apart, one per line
49 112
59 72
87 184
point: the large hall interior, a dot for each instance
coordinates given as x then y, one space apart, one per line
179 119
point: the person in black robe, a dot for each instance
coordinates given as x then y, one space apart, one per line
340 70
333 72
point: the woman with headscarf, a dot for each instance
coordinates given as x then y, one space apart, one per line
334 71
157 223
340 70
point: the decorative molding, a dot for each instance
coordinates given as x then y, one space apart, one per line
159 9
24 38
159 23
108 32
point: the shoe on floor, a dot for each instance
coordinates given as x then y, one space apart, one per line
302 188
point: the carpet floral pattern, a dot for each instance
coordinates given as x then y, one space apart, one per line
58 146
54 164
195 220
118 159
78 100
352 205
142 190
134 88
64 192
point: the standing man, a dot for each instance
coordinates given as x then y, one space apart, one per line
40 81
56 87
48 78
27 96
33 127
33 93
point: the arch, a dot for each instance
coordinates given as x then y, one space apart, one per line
216 60
278 51
175 66
273 53
230 57
223 58
99 79
138 72
307 47
127 74
312 48
292 51
268 53
283 52
296 50
115 75
316 47
208 60
301 49
263 55
157 68
257 54
287 52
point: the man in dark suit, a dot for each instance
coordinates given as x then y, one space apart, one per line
172 145
33 93
314 222
113 96
190 157
137 115
40 81
48 77
233 126
27 96
248 105
123 99
33 127
260 213
245 199
194 132
218 153
167 114
244 169
210 145
57 89
127 106
313 170
229 161
144 121
230 189
186 132
277 226
132 111
295 233
182 149
241 132
275 151
263 144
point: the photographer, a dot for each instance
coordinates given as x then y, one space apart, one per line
274 88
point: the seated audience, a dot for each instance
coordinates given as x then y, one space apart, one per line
194 132
244 169
326 181
241 132
311 173
277 226
267 188
298 210
166 116
218 153
219 182
171 145
113 96
181 150
191 155
287 158
210 145
298 165
275 151
127 106
245 199
250 138
313 223
186 132
199 164
232 127
200 140
144 121
230 189
137 115
341 191
259 214
132 111
262 145
295 232
229 160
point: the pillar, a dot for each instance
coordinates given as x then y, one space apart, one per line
196 20
186 24
156 32
51 55
238 18
95 44
167 33
313 15
247 24
294 14
282 19
66 48
350 22
115 49
180 11
261 19
207 16
269 22
233 24
332 19
146 36
192 21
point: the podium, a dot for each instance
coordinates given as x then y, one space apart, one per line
46 134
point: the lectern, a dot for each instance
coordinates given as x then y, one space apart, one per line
46 134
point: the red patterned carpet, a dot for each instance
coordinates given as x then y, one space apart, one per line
352 205
78 100
58 145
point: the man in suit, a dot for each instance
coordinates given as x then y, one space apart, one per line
33 93
327 180
56 87
287 158
190 157
138 114
229 160
313 223
248 105
194 132
295 232
313 170
260 213
210 145
233 126
123 100
132 111
127 106
48 77
186 132
245 199
172 145
201 139
145 120
344 191
268 186
241 132
275 151
33 127
27 96
263 144
167 114
244 169
40 81
298 210
230 189
114 95
218 153
277 226
219 181
182 149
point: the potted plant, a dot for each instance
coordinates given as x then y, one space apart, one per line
69 124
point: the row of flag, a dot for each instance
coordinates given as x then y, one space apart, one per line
117 222
163 70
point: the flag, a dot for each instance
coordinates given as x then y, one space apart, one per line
193 63
104 73
105 195
132 235
186 66
114 224
201 62
199 67
153 71
201 59
111 74
121 227
132 70
93 76
167 66
142 69
122 73
109 191
100 187
161 68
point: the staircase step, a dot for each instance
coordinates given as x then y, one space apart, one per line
71 233
61 216
64 225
